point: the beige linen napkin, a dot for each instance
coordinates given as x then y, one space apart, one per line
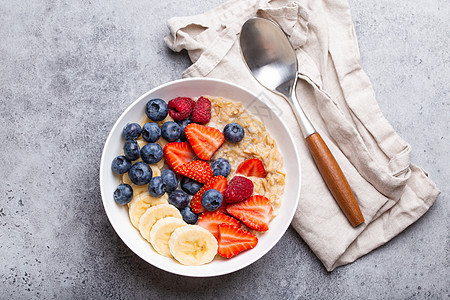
338 97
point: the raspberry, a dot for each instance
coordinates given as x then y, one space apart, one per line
202 111
239 188
181 108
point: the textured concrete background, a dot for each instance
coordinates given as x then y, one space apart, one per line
68 70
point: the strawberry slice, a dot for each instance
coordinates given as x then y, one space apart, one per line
204 140
177 154
198 170
255 212
218 183
252 167
210 220
233 240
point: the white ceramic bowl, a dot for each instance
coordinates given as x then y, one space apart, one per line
118 215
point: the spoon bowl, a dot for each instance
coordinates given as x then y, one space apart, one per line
271 59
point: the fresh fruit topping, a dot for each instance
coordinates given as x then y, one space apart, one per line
190 186
221 167
153 214
192 245
151 132
170 179
255 212
234 240
141 203
123 194
152 153
212 200
217 182
183 125
211 220
156 109
239 188
188 215
198 170
156 187
179 199
131 149
161 232
120 164
181 108
252 167
202 111
140 173
233 132
177 154
131 131
204 140
170 131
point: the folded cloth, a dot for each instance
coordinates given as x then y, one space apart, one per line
338 98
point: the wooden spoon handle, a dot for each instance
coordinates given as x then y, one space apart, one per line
335 179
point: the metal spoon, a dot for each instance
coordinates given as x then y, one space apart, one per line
272 61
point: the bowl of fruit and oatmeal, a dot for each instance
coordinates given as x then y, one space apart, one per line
194 182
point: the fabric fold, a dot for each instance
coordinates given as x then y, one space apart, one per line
339 99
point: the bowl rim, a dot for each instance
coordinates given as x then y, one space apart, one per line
103 162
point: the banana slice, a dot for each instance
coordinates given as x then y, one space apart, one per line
141 142
161 232
155 213
156 170
192 245
140 203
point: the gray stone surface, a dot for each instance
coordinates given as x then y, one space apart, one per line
68 70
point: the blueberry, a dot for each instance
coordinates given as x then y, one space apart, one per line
183 125
156 109
212 199
233 132
188 215
151 132
170 131
152 153
156 187
170 179
179 199
221 166
120 164
140 173
123 194
190 186
131 149
131 131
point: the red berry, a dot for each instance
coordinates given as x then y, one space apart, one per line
252 167
239 188
181 108
255 212
198 170
202 111
233 240
204 140
177 154
210 220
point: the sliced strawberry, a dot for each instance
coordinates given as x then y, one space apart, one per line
198 170
204 140
210 220
218 183
233 240
177 154
252 167
255 212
